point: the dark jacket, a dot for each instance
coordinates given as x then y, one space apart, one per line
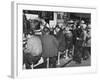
49 45
61 39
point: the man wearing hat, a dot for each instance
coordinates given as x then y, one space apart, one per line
50 47
33 50
79 40
88 42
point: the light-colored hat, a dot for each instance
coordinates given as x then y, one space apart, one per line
71 21
37 19
82 21
31 16
83 26
89 26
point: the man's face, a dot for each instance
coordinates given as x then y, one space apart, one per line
34 24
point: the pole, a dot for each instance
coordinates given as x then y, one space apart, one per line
47 62
58 63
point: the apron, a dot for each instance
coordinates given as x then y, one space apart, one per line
34 46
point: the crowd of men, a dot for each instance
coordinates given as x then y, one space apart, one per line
70 40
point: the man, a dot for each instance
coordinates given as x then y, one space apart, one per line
69 42
88 39
87 47
79 38
33 49
50 47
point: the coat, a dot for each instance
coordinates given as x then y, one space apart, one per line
68 39
49 46
34 46
61 39
88 39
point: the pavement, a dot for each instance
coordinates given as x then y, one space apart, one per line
67 63
72 63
